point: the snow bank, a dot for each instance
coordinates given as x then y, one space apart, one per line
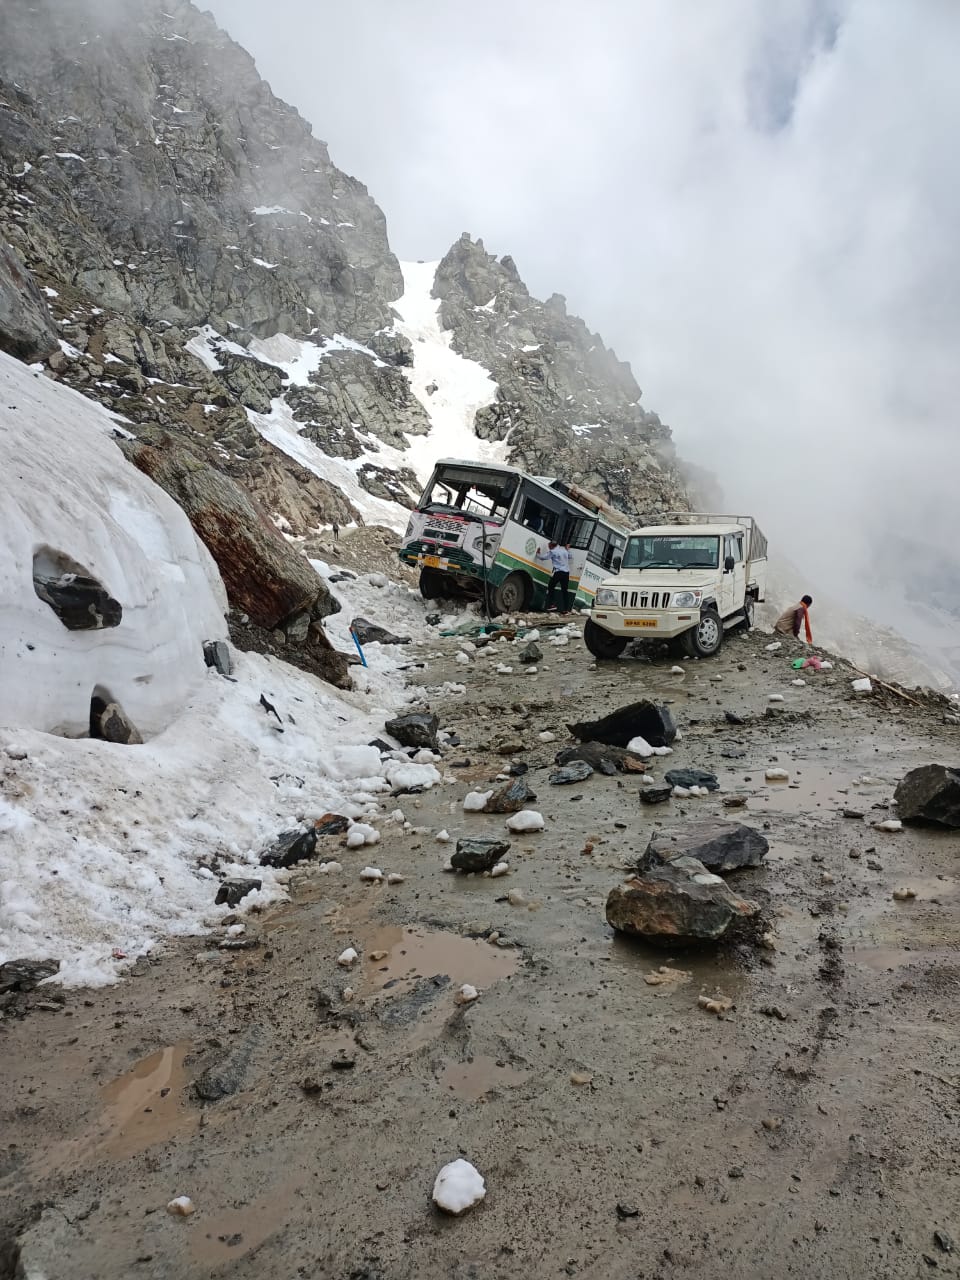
68 490
105 848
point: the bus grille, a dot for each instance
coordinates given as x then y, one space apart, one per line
447 537
644 599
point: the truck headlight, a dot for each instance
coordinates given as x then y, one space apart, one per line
606 595
686 599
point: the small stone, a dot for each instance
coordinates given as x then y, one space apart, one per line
180 1207
776 775
516 898
395 878
855 814
772 1123
371 873
458 1187
467 994
874 865
774 1011
944 1241
904 895
627 1211
718 1005
581 1077
735 1172
575 771
478 854
347 958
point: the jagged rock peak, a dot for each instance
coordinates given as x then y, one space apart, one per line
566 404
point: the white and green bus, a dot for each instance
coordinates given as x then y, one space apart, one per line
478 528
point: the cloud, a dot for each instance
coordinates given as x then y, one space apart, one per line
755 204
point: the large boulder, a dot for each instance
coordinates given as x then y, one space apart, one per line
265 577
637 720
510 798
680 902
479 854
26 328
930 793
720 846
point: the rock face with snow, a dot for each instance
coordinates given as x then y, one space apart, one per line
79 509
210 273
565 404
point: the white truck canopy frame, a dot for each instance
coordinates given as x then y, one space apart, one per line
757 549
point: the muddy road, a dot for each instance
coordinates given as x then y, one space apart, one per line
622 1130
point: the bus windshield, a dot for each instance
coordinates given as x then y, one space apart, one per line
470 490
670 551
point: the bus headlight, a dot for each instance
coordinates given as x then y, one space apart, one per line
606 596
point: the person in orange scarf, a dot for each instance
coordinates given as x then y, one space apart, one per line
797 616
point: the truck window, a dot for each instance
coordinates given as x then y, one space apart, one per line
670 551
733 546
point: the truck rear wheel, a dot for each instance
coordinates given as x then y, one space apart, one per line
511 595
705 639
601 643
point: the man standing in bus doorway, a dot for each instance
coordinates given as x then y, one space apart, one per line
559 557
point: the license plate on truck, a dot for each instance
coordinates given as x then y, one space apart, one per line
639 622
431 562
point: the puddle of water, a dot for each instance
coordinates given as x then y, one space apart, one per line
145 1105
228 1235
473 1080
414 953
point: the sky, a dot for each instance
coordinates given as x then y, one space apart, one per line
755 204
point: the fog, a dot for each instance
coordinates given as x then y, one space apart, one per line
756 204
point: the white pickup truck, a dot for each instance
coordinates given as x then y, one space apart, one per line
690 580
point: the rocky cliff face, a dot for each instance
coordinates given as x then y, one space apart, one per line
181 248
566 405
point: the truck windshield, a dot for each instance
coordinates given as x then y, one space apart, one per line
667 551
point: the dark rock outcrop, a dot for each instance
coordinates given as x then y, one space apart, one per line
263 575
931 794
510 798
26 327
603 757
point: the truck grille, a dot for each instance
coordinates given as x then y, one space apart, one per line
644 599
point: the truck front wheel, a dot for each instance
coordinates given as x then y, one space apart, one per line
705 639
511 595
601 643
433 585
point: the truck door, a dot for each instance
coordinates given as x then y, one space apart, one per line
734 583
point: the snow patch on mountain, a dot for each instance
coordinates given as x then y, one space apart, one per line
450 387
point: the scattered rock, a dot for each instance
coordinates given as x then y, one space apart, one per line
944 1241
777 775
109 721
510 798
348 958
331 824
692 778
581 1077
638 719
603 757
369 633
419 729
904 895
889 824
931 794
678 902
773 1011
216 654
291 847
372 874
855 814
458 1187
731 717
530 653
665 976
772 1123
720 846
718 1005
24 975
625 1211
575 771
656 794
80 602
180 1207
467 994
500 869
734 802
395 878
478 855
227 1076
233 891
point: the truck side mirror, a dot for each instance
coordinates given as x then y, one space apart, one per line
615 563
728 564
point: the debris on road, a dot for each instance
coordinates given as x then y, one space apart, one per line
680 902
692 778
718 1005
526 820
575 771
510 798
418 729
180 1207
478 854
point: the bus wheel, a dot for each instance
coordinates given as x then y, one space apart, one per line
511 595
432 584
601 643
